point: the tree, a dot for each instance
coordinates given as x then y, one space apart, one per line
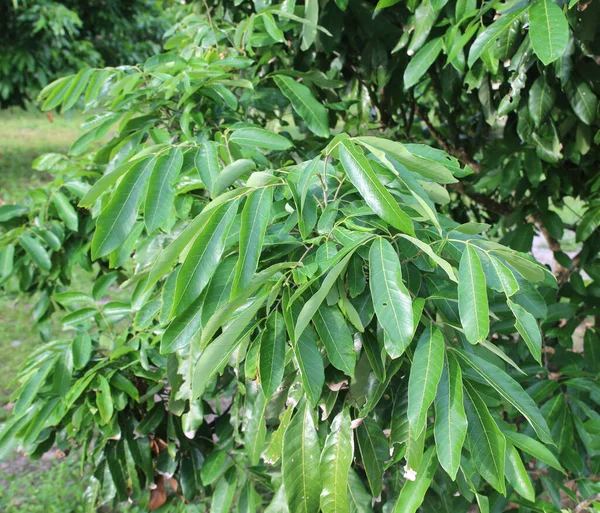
44 40
313 315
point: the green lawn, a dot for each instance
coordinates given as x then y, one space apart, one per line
25 135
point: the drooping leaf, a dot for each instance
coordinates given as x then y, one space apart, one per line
207 164
361 174
472 297
36 252
422 61
541 100
304 103
450 418
413 492
272 354
217 354
203 258
534 448
516 474
492 33
486 442
118 217
425 374
528 329
391 299
336 459
582 99
548 30
508 388
255 217
300 463
160 195
374 451
336 337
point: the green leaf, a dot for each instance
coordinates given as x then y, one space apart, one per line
161 195
582 99
207 164
450 418
541 100
304 103
255 428
528 329
65 210
104 400
260 138
517 475
168 256
422 61
234 171
360 499
374 451
381 147
335 463
534 448
486 441
255 218
306 351
118 217
204 255
28 391
217 354
76 88
426 248
492 33
413 492
336 337
472 297
78 317
224 492
508 388
391 298
312 305
588 224
300 463
499 277
82 350
309 31
183 328
272 354
36 252
548 30
425 374
361 174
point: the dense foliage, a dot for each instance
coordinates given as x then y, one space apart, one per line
43 40
316 307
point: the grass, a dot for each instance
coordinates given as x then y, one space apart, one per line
26 135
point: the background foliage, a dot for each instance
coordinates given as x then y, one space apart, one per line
383 356
44 40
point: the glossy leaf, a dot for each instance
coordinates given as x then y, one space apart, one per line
260 138
486 442
361 174
118 217
203 258
528 329
422 61
300 463
472 297
255 217
450 417
272 354
336 459
374 451
391 299
304 103
510 390
425 374
160 195
548 30
413 492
